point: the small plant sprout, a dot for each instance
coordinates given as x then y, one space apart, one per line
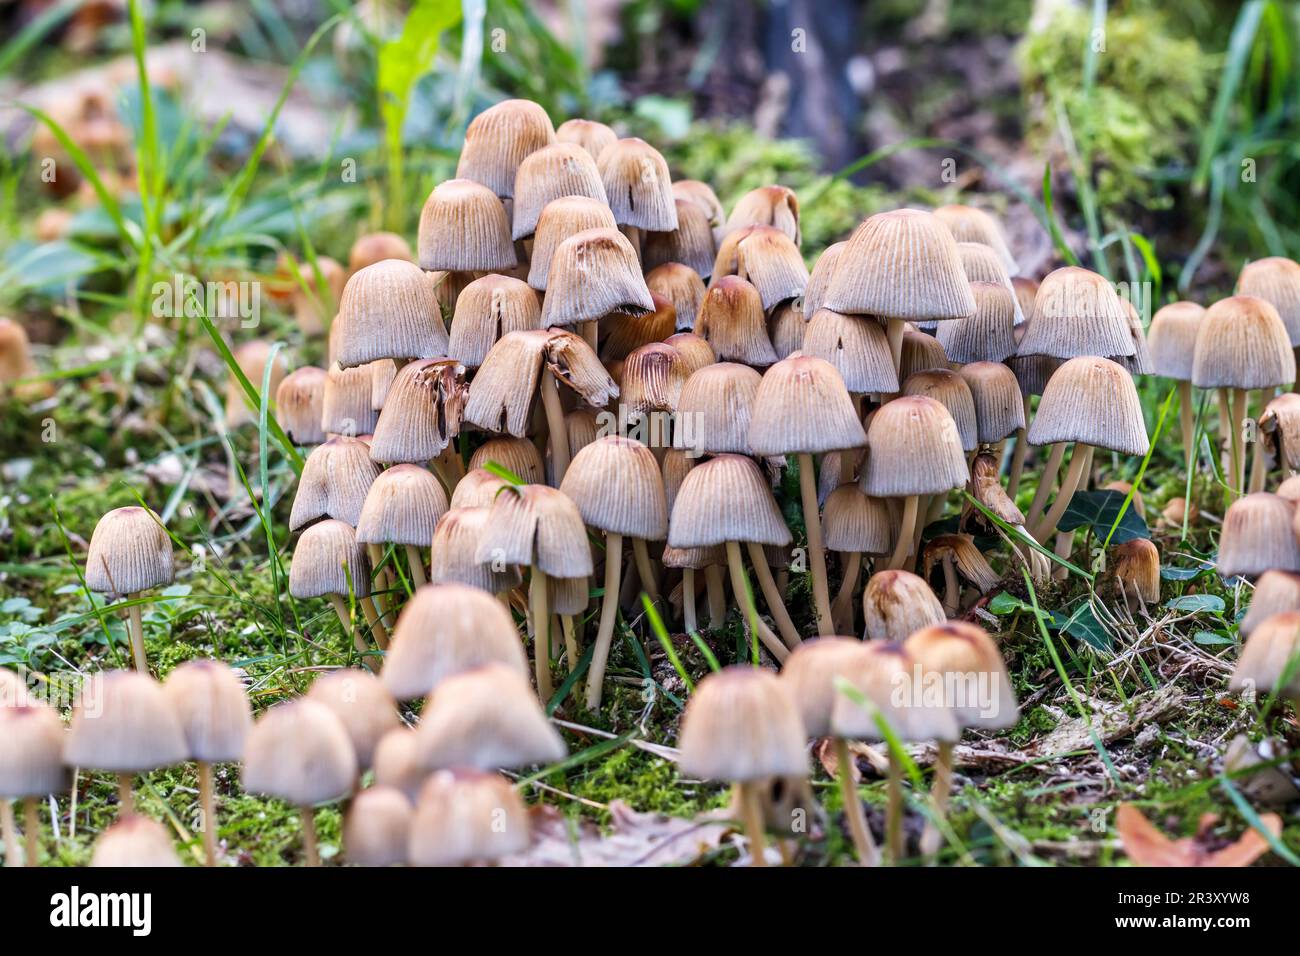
130 552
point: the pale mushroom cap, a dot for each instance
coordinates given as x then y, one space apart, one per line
568 595
498 140
621 335
377 827
742 724
637 185
518 455
376 247
694 558
891 682
335 481
897 603
914 449
212 708
129 552
981 263
1289 489
593 273
1268 656
683 287
300 752
1275 592
677 462
467 817
31 751
15 352
1077 312
402 507
589 134
951 391
504 388
690 244
969 224
389 310
395 764
347 406
1033 372
1276 279
1091 400
362 704
486 309
856 346
479 487
775 206
422 412
999 407
538 526
768 259
725 499
715 409
851 521
122 722
134 841
1257 536
617 486
987 335
454 558
803 407
732 321
809 674
702 195
976 688
583 426
920 352
552 172
558 220
1140 362
819 280
1242 343
299 402
328 560
786 327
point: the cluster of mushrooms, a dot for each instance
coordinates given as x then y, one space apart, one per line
574 400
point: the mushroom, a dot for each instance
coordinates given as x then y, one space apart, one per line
767 258
592 274
1268 660
981 263
689 245
921 352
1136 566
375 247
1275 279
130 552
347 406
786 327
1279 436
455 552
135 842
1140 362
690 560
1077 313
328 562
389 310
638 187
683 287
957 552
732 321
519 456
969 224
589 134
31 766
583 427
487 309
403 507
819 280
1257 536
252 359
363 706
1124 487
715 408
552 172
15 354
422 417
702 195
300 404
999 409
951 391
316 295
854 525
987 335
621 335
465 817
559 220
335 481
775 206
897 603
499 139
1275 592
377 827
395 764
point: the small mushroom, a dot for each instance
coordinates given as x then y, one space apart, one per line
897 603
499 139
362 704
31 766
328 562
134 842
683 287
377 827
466 817
403 507
130 552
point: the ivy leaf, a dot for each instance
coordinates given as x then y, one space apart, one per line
1098 510
1004 603
1170 573
1084 625
1197 604
1212 638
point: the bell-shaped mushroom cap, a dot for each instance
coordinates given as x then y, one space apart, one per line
1091 400
901 264
896 603
1257 536
982 695
809 674
134 841
464 228
583 426
690 244
637 185
381 379
622 334
361 703
498 140
786 327
741 724
1279 426
775 206
537 526
377 827
31 751
553 172
1275 279
568 595
890 685
455 552
725 499
502 394
851 521
519 456
856 346
1077 312
682 286
986 336
389 311
802 407
981 263
376 247
999 408
466 816
15 352
209 701
122 722
616 484
558 220
694 350
715 408
300 752
676 464
1268 658
819 280
593 273
695 558
130 551
252 358
768 259
1242 343
1289 489
1136 565
299 402
402 507
920 352
951 391
702 195
395 764
347 406
487 718
487 309
328 560
334 483
732 321
589 134
969 224
1026 292
1140 362
1275 592
914 448
1032 372
422 412
652 380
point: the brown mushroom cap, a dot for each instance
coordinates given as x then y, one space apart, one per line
725 499
1277 280
969 224
691 243
122 722
1077 312
810 673
299 402
715 408
1269 655
851 521
377 827
982 697
589 134
682 286
987 335
487 309
328 560
455 552
617 486
499 139
999 410
775 206
786 327
652 380
920 353
15 352
376 247
742 724
31 751
803 407
819 280
856 346
466 817
897 603
914 448
334 483
702 194
888 682
422 412
621 334
1091 400
300 752
540 527
361 703
129 551
389 311
519 455
951 391
732 321
637 185
395 764
552 172
1137 570
767 258
402 507
213 710
134 841
464 228
1257 536
558 220
347 403
593 273
1275 592
1242 343
694 350
252 358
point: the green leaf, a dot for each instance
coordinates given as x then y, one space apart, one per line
1005 603
1212 638
1084 625
1099 510
1197 604
1169 573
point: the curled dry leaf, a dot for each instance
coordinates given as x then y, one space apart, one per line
1147 846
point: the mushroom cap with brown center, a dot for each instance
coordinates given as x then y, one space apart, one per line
402 507
999 408
300 752
1242 343
802 407
682 286
454 556
740 725
767 258
1275 592
593 273
329 560
1091 400
887 681
732 321
897 603
499 139
376 247
914 448
134 841
951 391
589 134
361 703
690 244
976 687
617 486
558 220
775 206
335 481
212 707
726 499
715 409
130 551
810 674
422 412
299 402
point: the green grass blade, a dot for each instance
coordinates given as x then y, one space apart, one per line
1240 43
1146 460
666 641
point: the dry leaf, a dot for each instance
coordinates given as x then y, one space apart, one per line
1147 846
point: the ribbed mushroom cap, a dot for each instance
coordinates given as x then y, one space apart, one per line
518 455
454 558
31 751
1257 536
537 526
402 507
969 224
1279 428
1288 489
786 327
732 321
1077 312
376 247
986 336
389 311
346 404
999 409
1268 657
767 258
914 448
122 722
134 841
702 195
775 206
209 701
568 595
467 817
966 557
334 483
395 764
920 352
299 402
1275 279
487 309
553 172
981 694
129 552
622 334
328 560
982 263
819 280
422 412
498 140
857 347
801 407
1026 291
637 185
1242 343
1091 400
851 521
809 674
676 464
589 134
682 286
464 228
487 718
715 409
951 391
558 220
13 689
15 352
382 374
896 603
696 558
1136 565
742 724
362 704
300 752
593 273
1033 372
583 426
691 243
901 264
1140 362
1275 592
890 679
617 486
377 827
652 380
1172 339
725 499
694 350
252 358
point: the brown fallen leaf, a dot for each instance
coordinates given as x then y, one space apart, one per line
1147 846
632 839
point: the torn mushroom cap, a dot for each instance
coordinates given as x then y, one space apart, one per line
1242 343
1136 565
999 409
914 448
802 407
552 172
347 406
540 527
775 206
742 724
361 703
402 507
129 551
969 224
15 352
732 321
558 220
951 391
1279 428
682 286
901 264
810 675
691 243
487 309
888 684
1277 280
593 273
389 310
299 402
122 722
896 603
725 499
852 521
583 427
1275 592
464 228
767 258
617 486
300 752
499 139
1140 362
519 456
716 405
134 841
982 264
335 479
1091 400
694 350
986 335
986 487
422 412
212 707
31 751
786 327
652 380
455 549
1268 657
377 827
961 650
589 134
395 764
621 334
376 247
920 352
464 817
252 358
858 348
637 185
1077 312
966 557
702 195
328 560
819 280
1257 536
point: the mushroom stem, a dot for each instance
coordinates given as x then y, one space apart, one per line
743 598
894 329
31 831
608 614
715 585
345 618
751 812
1187 419
863 845
1069 484
9 833
772 595
208 803
1240 405
894 812
376 625
951 589
559 433
842 608
1021 451
590 332
817 556
940 792
416 561
125 798
309 848
1045 482
688 601
137 634
905 529
539 606
571 650
645 570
